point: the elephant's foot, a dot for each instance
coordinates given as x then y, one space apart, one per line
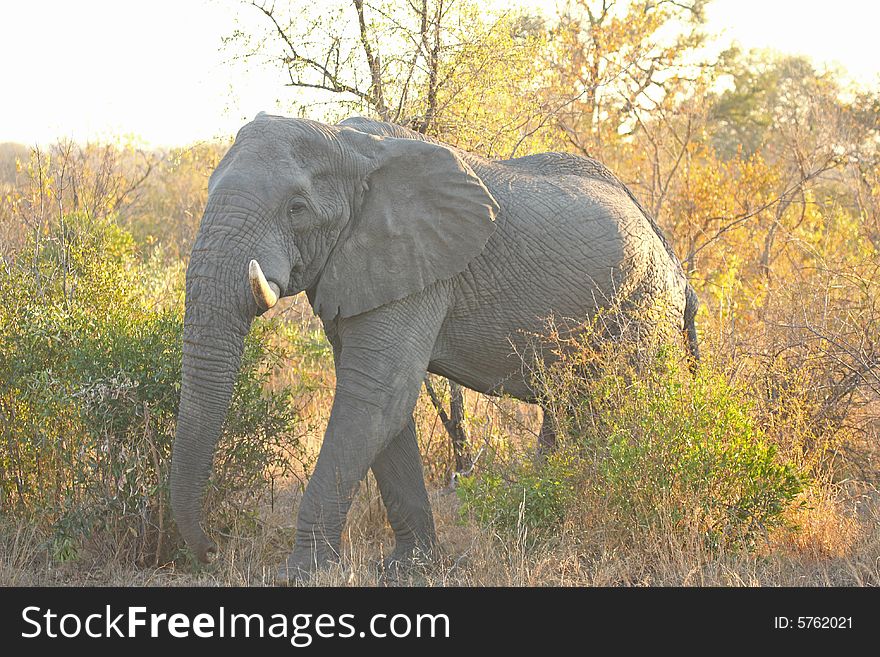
406 561
291 573
302 564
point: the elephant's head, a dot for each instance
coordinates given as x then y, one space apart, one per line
359 221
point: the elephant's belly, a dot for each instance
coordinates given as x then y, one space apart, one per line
493 350
490 381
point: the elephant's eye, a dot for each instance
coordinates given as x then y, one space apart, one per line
296 207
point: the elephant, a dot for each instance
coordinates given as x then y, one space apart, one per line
417 257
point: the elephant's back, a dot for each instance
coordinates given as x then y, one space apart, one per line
570 223
585 168
570 217
562 164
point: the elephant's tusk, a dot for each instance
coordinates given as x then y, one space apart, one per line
265 292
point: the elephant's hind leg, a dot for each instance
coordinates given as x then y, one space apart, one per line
547 435
398 471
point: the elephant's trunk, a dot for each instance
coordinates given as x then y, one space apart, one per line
213 339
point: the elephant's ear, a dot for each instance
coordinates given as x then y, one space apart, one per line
423 216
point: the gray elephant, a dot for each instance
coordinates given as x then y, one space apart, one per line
417 257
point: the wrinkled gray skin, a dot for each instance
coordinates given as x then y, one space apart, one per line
416 256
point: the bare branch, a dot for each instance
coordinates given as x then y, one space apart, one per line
335 84
377 94
738 221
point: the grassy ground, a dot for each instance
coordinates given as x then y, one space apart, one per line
833 548
831 540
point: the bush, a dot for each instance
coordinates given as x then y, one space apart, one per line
644 445
528 499
89 395
689 453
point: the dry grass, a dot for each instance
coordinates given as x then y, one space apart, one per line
834 547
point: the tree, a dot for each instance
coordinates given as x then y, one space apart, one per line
619 57
435 66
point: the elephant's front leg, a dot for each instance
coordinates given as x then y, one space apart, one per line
382 358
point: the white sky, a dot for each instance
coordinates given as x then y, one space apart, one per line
101 68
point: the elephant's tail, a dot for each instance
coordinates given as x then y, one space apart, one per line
690 329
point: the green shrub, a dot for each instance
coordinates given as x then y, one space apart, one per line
528 499
688 452
645 446
89 392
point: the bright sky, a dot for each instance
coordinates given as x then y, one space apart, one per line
103 68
